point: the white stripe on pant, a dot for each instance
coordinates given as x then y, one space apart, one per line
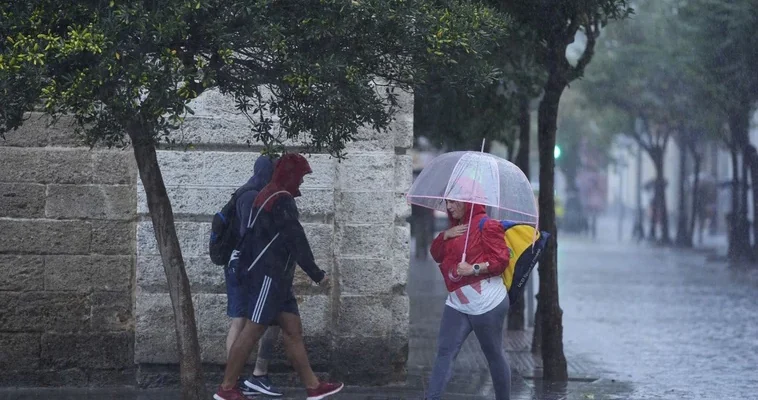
261 303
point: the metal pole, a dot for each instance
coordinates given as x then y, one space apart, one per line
530 298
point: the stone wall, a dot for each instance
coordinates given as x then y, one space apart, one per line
82 289
67 228
354 215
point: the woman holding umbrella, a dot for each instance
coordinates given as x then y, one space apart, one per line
478 299
472 254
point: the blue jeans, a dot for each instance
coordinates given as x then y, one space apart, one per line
454 329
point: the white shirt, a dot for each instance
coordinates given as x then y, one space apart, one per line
479 297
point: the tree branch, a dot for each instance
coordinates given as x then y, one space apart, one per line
592 31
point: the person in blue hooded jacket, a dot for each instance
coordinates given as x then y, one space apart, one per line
236 290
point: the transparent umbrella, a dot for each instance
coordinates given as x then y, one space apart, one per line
479 178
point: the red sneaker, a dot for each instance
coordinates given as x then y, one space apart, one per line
324 389
230 394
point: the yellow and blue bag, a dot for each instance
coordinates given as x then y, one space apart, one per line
525 246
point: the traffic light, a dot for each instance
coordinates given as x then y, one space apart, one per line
557 152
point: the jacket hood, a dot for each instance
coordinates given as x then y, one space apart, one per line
289 171
263 170
477 209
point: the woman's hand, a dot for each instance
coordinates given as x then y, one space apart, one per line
455 231
465 269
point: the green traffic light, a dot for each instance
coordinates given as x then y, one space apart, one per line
557 152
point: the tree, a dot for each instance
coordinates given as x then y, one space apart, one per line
557 25
644 73
722 35
455 115
126 71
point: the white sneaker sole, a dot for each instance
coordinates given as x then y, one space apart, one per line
323 396
261 389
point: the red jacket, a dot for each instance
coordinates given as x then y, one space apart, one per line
485 245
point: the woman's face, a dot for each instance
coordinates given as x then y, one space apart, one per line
456 208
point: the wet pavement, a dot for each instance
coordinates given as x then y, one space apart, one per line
639 323
669 322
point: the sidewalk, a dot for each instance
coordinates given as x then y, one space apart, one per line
471 379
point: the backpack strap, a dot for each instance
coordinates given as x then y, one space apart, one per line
250 225
481 223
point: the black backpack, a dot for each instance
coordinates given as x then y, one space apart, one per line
225 230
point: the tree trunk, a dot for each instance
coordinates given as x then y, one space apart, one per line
696 212
739 126
638 231
516 315
753 165
550 313
734 241
660 187
654 215
682 226
192 385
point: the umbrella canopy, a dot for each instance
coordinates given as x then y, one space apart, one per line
480 178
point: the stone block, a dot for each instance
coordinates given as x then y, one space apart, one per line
45 237
315 312
115 167
367 172
87 273
371 241
214 103
213 347
19 351
231 169
369 139
401 265
112 377
305 286
204 276
22 200
403 173
91 202
400 307
229 130
321 239
362 276
67 166
44 311
72 377
364 316
210 313
21 165
38 131
190 200
315 203
373 207
87 350
402 240
197 200
402 128
155 337
21 273
193 238
113 237
402 209
112 311
362 360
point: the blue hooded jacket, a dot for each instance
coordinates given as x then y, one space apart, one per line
262 172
